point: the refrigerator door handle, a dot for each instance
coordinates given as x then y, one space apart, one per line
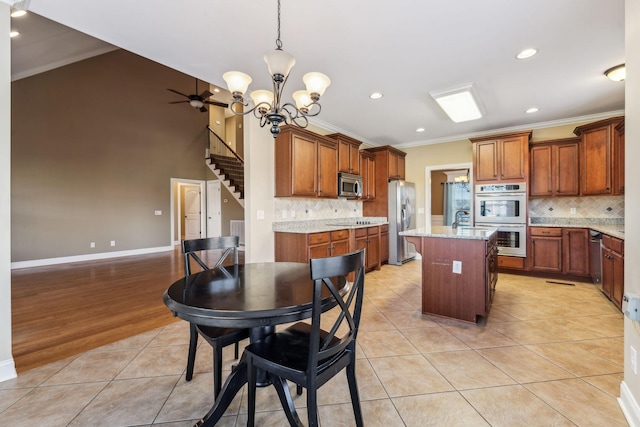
402 214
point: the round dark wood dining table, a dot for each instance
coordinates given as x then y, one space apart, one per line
257 296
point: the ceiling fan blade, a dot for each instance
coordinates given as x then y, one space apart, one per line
203 109
175 91
205 94
177 102
219 104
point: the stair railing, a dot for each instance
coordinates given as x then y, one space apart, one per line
218 147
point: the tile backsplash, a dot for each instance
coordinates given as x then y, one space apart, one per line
602 207
296 209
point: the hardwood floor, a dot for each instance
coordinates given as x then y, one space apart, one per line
62 310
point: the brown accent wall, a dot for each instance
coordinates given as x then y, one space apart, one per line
438 178
94 146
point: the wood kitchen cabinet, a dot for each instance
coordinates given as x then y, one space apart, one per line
575 251
389 165
301 247
501 157
384 244
559 250
368 171
369 238
348 153
306 164
598 154
554 168
545 249
618 159
613 269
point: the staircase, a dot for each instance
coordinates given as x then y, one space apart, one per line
226 165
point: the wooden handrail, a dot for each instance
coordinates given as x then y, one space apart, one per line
225 144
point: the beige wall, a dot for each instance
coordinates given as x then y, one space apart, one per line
632 196
94 146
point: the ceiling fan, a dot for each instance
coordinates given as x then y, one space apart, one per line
198 101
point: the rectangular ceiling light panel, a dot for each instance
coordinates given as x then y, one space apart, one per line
460 104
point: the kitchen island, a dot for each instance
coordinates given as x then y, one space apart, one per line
459 270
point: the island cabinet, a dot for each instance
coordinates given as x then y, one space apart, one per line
613 269
306 164
348 153
598 156
554 168
369 238
389 165
459 275
501 157
559 250
368 171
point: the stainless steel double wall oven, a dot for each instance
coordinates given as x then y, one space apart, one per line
504 206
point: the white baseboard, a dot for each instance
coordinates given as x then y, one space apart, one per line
629 406
7 370
87 257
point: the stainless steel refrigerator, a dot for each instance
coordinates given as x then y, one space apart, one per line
402 201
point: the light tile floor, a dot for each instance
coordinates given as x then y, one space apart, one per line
548 354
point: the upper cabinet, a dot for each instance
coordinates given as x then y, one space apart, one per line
618 159
306 164
348 153
368 171
389 165
501 157
554 168
599 156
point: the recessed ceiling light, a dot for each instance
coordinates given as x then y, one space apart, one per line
461 103
617 73
16 13
420 130
376 95
532 110
526 53
13 34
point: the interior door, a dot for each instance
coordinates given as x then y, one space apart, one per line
214 209
191 203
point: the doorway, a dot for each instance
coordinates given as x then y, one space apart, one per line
437 195
188 209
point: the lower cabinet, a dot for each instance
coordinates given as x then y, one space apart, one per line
301 247
384 244
546 249
559 250
369 238
613 269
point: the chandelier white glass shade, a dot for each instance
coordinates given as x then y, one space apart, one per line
268 105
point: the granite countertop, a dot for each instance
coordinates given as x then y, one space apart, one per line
470 233
612 228
322 225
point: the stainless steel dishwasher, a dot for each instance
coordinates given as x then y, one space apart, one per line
595 256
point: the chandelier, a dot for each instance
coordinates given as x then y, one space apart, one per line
268 104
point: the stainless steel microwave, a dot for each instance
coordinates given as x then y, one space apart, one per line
349 185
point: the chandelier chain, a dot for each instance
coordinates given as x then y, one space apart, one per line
278 41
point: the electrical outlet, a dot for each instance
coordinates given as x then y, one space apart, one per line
572 210
260 214
457 267
92 244
158 213
284 214
633 356
113 243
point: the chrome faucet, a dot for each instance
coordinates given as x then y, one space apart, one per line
457 218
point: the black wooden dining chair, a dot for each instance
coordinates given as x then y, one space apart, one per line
307 355
218 338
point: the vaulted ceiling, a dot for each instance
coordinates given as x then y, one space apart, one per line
403 49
